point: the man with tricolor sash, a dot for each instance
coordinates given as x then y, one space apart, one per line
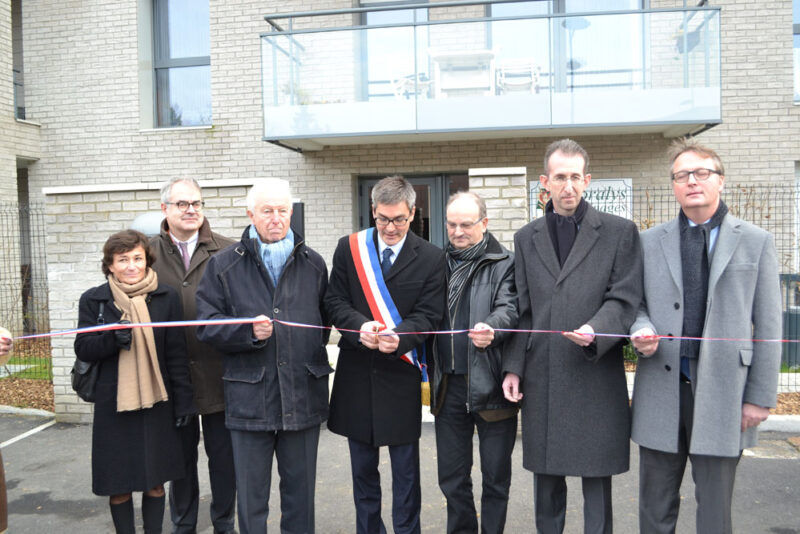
387 290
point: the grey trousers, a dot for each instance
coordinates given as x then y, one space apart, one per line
550 502
296 452
661 474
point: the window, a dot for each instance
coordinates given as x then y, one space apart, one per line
387 65
796 52
588 53
182 63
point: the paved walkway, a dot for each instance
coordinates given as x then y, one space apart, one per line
49 479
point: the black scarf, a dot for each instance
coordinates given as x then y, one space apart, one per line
564 228
462 263
694 271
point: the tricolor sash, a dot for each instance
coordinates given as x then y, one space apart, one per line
381 305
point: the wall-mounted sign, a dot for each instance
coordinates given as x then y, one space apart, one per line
611 196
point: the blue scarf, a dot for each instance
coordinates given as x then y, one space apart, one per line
274 255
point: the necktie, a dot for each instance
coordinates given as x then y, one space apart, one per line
386 263
184 248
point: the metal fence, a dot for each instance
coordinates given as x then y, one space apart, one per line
771 207
23 289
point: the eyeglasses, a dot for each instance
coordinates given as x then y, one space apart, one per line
562 179
398 222
701 175
464 226
183 205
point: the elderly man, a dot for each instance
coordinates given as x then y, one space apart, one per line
275 375
578 271
183 249
376 397
706 274
467 383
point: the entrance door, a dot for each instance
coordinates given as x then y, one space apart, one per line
432 193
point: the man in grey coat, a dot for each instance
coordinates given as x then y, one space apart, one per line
182 250
578 271
707 274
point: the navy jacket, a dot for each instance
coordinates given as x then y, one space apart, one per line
280 383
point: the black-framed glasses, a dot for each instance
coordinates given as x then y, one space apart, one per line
701 175
183 205
464 226
398 222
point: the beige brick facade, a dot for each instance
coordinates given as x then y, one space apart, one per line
97 167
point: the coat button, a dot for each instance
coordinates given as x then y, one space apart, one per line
668 368
185 284
281 363
677 306
276 311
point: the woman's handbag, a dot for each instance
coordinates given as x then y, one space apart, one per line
84 374
84 378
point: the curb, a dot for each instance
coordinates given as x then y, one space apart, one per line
781 423
33 412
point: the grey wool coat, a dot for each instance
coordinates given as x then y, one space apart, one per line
743 300
575 415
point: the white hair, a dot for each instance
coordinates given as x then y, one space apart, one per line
274 187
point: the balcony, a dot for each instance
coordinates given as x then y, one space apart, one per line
417 74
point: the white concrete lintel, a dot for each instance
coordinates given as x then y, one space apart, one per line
141 186
499 171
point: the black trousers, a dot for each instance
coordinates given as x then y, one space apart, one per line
661 474
455 428
406 494
184 494
296 452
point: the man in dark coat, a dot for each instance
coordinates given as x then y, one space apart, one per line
182 251
275 375
467 383
376 397
706 274
578 271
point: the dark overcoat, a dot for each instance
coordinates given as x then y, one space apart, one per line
205 362
278 383
575 414
376 397
137 450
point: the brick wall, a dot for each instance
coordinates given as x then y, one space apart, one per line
82 85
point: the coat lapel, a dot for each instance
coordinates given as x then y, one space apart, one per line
584 242
407 255
671 242
727 240
544 247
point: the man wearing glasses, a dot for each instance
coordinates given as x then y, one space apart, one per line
706 274
384 281
578 271
183 249
467 383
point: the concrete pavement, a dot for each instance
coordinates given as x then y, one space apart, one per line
49 486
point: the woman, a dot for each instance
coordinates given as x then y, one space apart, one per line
143 389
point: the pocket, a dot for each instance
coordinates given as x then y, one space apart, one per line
245 393
746 356
319 370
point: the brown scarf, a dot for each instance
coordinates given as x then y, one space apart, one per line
139 381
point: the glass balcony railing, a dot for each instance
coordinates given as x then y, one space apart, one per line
422 77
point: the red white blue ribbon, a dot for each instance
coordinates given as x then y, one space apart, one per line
379 300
